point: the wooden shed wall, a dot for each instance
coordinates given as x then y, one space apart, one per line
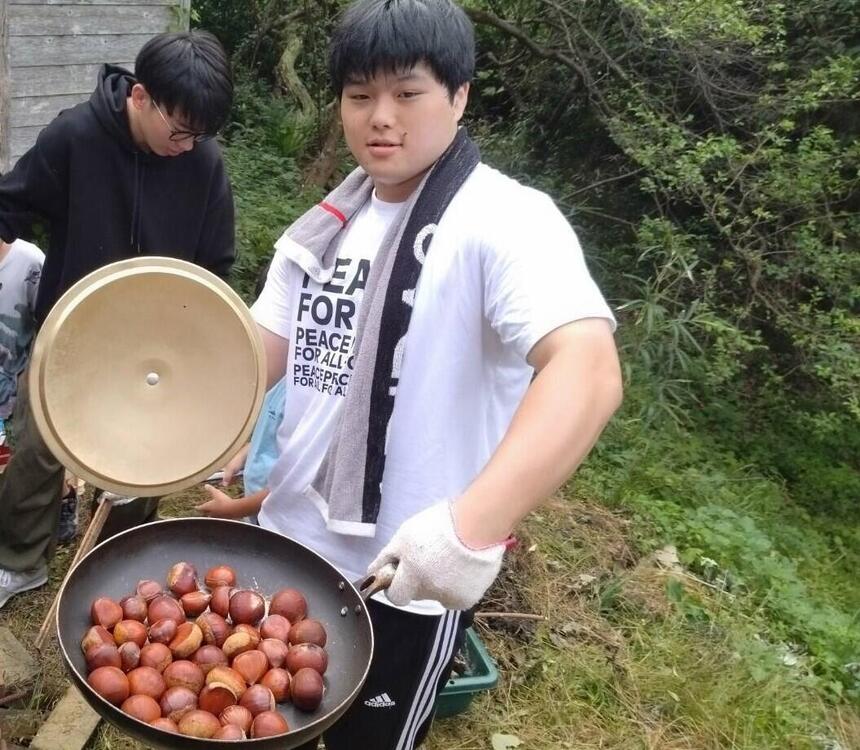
54 49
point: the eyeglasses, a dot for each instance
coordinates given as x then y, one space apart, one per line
182 135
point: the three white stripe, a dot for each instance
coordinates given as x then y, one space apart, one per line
425 696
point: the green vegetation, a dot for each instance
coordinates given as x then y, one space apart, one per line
707 154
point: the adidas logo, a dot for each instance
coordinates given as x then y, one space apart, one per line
380 701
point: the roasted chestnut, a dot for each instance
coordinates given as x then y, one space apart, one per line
130 630
155 655
306 689
215 698
102 655
163 631
185 674
146 681
129 654
182 578
246 607
220 575
237 643
269 724
307 631
258 698
278 681
165 607
275 651
238 716
133 608
176 702
252 665
105 612
220 601
200 724
148 589
306 655
186 641
275 626
289 603
228 678
195 603
207 657
214 627
142 707
165 725
110 683
229 732
244 627
96 634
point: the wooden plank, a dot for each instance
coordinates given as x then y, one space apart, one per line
69 726
54 80
19 723
48 20
17 666
4 90
20 139
73 50
40 110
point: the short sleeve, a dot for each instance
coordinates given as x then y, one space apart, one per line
273 308
535 275
34 275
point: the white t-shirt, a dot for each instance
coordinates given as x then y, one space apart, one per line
20 271
503 270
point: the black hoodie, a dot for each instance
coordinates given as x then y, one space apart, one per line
104 199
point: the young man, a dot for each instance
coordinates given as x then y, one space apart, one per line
409 312
133 171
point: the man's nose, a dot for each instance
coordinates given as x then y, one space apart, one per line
383 115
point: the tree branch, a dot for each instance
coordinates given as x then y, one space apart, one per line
482 16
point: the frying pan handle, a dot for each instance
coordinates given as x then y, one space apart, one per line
377 581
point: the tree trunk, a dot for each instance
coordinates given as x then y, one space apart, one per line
289 78
320 171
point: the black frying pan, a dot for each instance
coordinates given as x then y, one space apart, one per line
264 561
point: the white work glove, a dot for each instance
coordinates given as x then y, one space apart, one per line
432 562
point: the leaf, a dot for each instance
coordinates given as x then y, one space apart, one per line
505 741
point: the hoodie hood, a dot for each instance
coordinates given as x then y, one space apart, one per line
109 103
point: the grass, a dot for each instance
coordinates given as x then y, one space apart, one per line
747 644
630 654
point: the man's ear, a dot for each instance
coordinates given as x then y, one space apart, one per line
461 99
139 95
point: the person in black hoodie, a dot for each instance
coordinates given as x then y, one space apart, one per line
133 171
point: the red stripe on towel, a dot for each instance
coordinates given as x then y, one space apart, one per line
333 211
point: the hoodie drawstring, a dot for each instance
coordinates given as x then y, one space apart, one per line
137 205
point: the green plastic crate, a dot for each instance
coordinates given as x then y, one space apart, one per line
458 693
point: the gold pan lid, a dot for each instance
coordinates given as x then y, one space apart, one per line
147 375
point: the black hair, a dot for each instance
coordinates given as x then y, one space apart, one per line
188 72
392 36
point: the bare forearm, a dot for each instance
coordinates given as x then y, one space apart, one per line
277 349
565 409
250 504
